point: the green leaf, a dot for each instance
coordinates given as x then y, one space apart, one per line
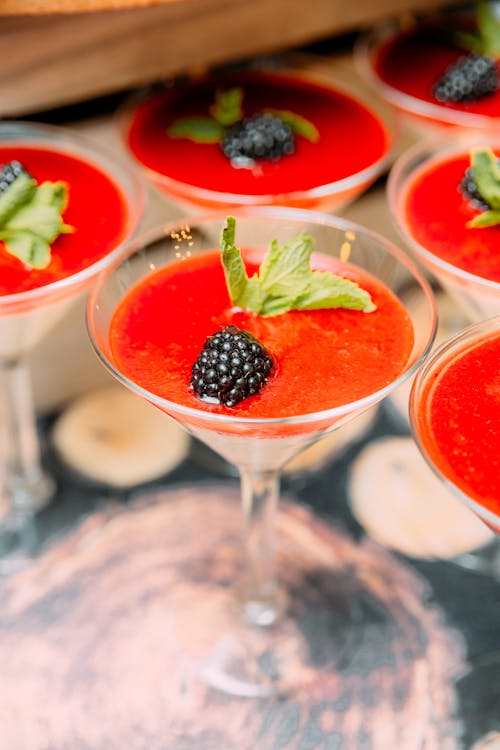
285 280
33 219
33 250
326 290
486 39
286 267
52 194
484 219
469 41
197 129
486 173
300 125
489 27
16 195
42 220
227 108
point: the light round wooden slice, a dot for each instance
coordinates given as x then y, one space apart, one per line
490 742
399 502
113 436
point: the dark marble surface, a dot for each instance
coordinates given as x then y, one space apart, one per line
470 602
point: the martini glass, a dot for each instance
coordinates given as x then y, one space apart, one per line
28 314
478 295
265 613
461 376
466 284
455 419
402 58
353 143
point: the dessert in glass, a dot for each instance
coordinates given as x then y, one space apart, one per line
66 206
455 417
444 198
288 331
260 137
439 72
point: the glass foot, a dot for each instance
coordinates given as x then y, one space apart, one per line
19 537
316 633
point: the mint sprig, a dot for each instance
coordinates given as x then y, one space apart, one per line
31 219
485 40
285 280
227 110
486 174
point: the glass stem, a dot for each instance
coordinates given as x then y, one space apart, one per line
260 495
24 482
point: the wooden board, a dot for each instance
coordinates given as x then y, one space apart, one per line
52 60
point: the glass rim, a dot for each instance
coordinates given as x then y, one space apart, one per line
441 148
191 193
476 331
385 32
98 155
290 213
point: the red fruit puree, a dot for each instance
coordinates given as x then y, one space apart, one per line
459 420
324 358
96 209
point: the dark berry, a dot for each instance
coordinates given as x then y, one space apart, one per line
263 136
9 173
471 77
231 366
469 189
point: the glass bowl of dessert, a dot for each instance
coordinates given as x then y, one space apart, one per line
445 200
260 333
251 136
455 416
66 206
439 72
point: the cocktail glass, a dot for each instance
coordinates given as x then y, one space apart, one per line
263 184
420 115
478 296
27 316
440 454
258 447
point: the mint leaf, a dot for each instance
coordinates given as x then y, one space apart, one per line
486 39
484 219
227 109
16 195
300 125
243 291
485 168
33 250
44 221
285 280
325 290
486 173
197 129
286 267
52 194
31 219
489 27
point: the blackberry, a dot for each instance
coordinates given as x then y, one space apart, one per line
469 189
231 366
471 77
262 136
9 173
